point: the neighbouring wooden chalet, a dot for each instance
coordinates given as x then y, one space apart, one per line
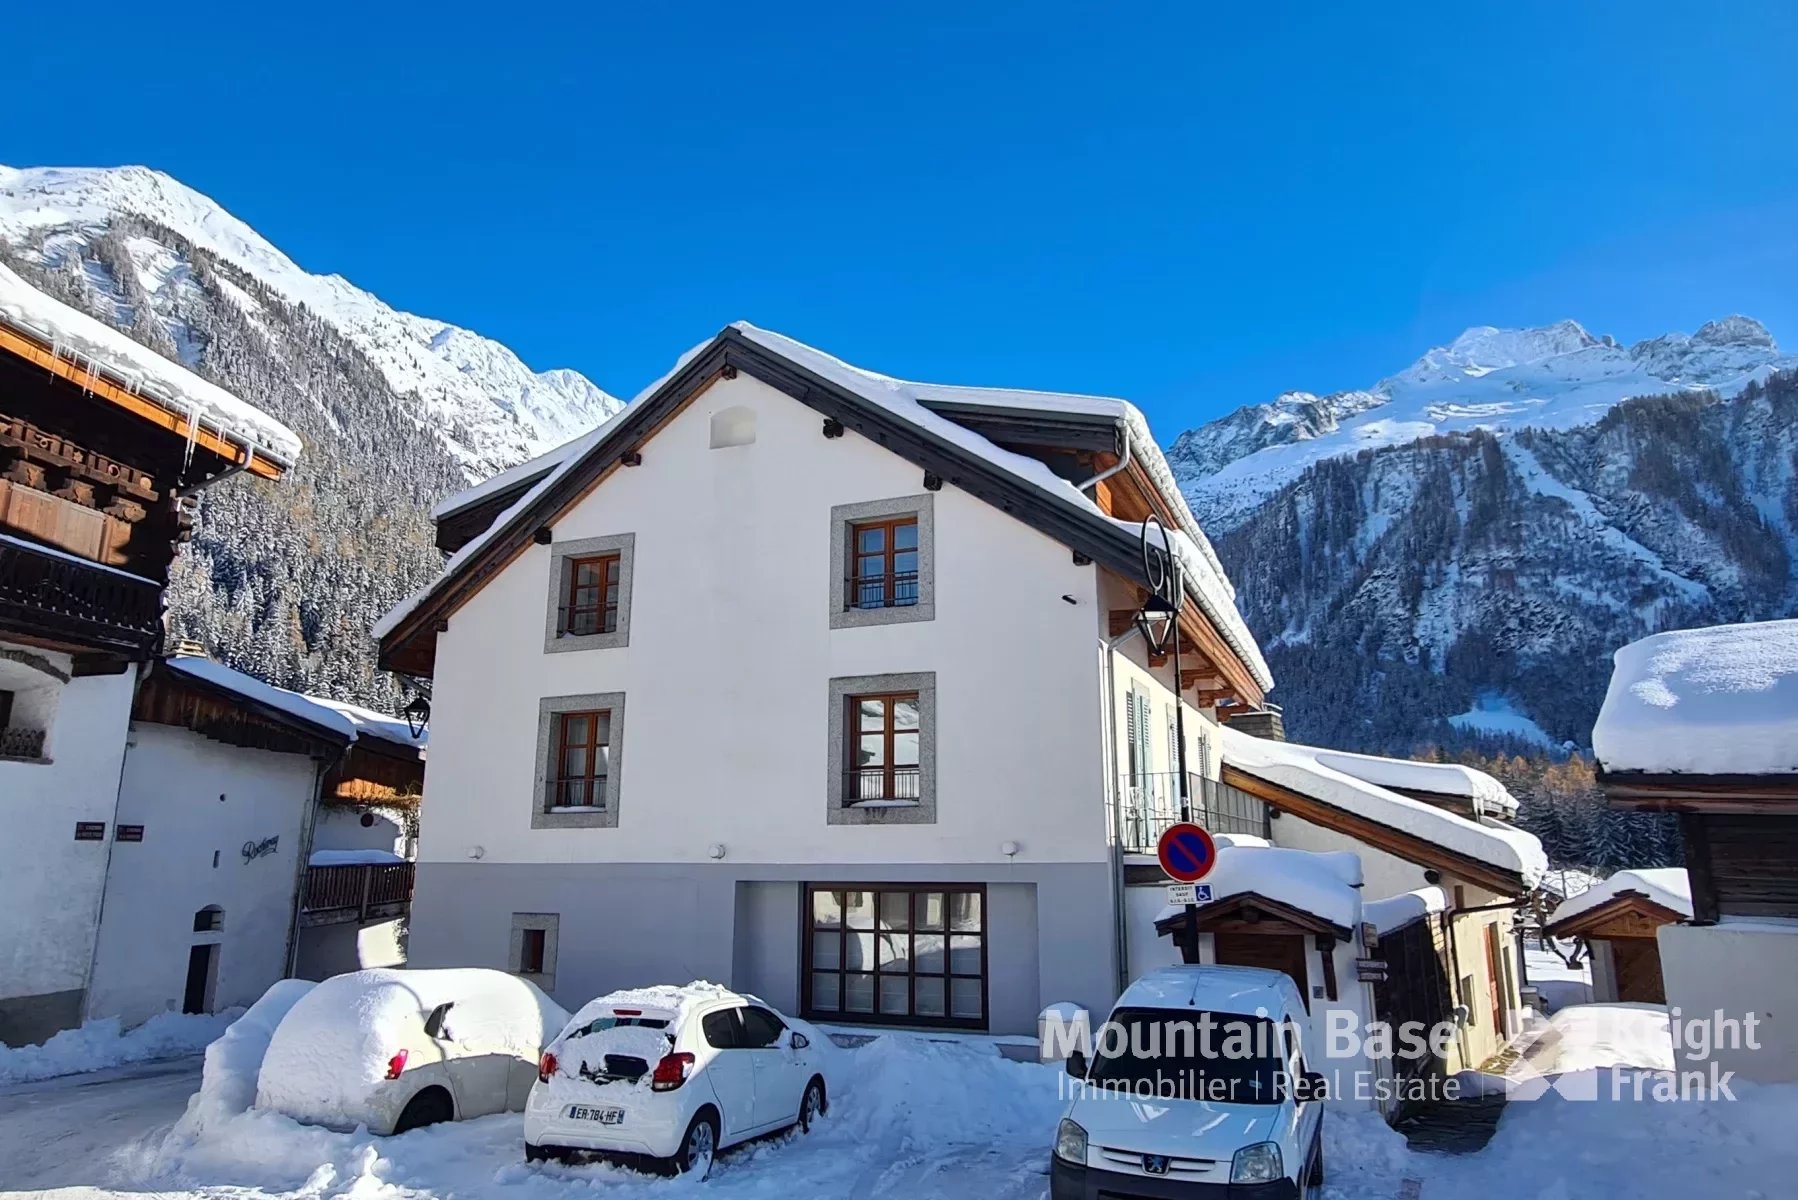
104 446
1620 921
1704 723
270 835
1442 879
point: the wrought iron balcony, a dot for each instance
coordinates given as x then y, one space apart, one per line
864 784
1151 803
68 599
334 895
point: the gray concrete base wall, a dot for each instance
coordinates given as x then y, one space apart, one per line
627 924
28 1020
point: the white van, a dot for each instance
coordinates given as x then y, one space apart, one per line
1197 1085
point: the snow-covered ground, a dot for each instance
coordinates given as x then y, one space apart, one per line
100 1044
918 1119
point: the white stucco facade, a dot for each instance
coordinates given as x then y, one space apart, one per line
208 810
50 883
1725 973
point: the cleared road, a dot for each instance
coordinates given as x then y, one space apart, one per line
81 1130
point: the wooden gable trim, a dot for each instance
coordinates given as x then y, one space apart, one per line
1627 914
410 646
172 697
176 423
1738 794
1398 842
1251 912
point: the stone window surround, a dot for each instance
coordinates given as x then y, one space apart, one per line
842 516
921 812
624 545
550 924
548 709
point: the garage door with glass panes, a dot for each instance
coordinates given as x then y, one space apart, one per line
895 955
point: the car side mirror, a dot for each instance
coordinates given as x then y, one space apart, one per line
1077 1064
799 1041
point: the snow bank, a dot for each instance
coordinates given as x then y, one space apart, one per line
79 338
1716 701
354 858
101 1044
1302 769
1324 885
336 1040
1395 912
228 1081
1665 886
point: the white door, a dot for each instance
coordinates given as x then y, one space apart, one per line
731 1071
779 1077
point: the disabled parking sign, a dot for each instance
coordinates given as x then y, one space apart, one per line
1186 852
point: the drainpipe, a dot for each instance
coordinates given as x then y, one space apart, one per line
1122 462
1121 932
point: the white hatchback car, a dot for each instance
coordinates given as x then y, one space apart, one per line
396 1049
1198 1085
667 1077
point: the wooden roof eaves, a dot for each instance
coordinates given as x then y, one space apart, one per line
1625 901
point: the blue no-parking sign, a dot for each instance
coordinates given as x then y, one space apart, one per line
1187 852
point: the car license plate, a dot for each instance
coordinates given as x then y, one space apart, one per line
605 1116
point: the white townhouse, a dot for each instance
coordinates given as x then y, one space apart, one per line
815 682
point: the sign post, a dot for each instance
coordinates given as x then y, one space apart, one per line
1187 854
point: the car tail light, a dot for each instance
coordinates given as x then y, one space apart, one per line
546 1066
627 1012
671 1072
396 1064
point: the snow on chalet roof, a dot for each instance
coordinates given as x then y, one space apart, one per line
1302 769
1407 775
79 338
1205 574
1716 701
1325 884
1666 886
333 717
1396 912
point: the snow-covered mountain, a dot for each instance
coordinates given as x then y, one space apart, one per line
487 407
1454 552
1554 377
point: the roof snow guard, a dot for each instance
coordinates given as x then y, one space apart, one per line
107 364
893 413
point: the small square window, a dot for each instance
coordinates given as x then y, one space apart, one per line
578 743
530 957
533 948
590 594
591 605
881 562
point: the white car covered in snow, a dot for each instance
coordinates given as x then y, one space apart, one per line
667 1077
395 1050
1198 1085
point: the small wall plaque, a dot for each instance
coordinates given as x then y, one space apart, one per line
128 833
90 831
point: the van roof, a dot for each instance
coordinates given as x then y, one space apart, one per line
1211 989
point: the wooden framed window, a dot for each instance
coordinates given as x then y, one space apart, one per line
883 563
580 762
590 604
883 748
895 954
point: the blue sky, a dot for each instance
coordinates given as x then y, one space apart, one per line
1193 205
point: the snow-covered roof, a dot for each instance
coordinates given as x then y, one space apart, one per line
1406 775
549 460
1325 885
79 338
1396 912
1301 768
1716 701
347 722
1666 886
1205 575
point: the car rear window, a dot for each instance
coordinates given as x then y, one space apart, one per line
601 1024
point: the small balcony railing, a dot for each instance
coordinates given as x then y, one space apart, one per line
899 590
1151 803
582 793
47 592
863 784
332 895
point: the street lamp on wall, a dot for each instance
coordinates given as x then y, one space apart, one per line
418 714
1157 619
